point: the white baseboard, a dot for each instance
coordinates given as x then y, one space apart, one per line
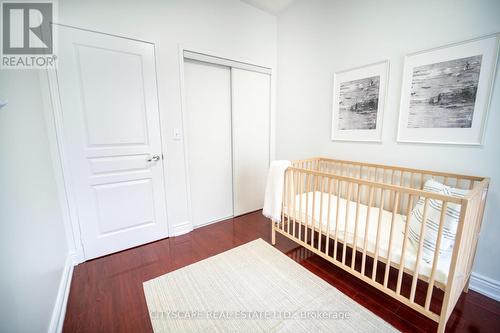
78 258
59 311
213 221
485 285
181 229
184 228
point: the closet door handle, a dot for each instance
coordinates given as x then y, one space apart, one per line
154 158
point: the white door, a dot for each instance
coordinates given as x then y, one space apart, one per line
108 93
208 113
251 138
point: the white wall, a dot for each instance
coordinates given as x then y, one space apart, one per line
318 37
33 246
226 28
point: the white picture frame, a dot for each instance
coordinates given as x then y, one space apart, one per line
356 114
446 91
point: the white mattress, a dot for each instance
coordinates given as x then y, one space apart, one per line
348 233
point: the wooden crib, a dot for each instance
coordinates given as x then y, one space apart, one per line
379 252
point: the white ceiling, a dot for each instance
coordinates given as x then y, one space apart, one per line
270 6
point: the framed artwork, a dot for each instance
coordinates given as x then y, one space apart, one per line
358 102
446 92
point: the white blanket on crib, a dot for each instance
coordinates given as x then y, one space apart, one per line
274 190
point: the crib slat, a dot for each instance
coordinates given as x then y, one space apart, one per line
320 233
289 193
346 220
380 215
285 200
313 214
389 249
412 177
307 207
286 185
294 203
282 206
405 244
419 252
330 185
301 188
355 236
430 287
367 225
339 188
392 183
401 184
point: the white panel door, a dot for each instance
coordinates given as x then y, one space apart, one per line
208 113
251 130
111 130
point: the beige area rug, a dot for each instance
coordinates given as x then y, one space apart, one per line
253 288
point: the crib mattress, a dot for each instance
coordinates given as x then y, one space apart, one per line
346 233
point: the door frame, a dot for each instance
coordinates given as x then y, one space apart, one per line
209 57
52 109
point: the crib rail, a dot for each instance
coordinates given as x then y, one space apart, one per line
396 175
376 189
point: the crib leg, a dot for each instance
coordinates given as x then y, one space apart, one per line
273 235
442 325
466 288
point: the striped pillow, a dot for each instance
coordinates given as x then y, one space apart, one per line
434 207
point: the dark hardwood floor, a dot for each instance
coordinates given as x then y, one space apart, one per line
106 294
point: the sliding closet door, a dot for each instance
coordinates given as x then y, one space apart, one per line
251 110
208 108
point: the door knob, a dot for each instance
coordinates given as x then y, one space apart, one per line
154 158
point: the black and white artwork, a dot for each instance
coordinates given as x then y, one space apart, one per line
446 91
443 94
358 102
